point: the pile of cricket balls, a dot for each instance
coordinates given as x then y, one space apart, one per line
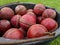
24 23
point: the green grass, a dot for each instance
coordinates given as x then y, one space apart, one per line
52 3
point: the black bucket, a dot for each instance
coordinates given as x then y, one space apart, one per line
43 42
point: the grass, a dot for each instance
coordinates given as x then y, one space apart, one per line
52 3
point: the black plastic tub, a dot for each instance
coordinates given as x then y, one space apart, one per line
37 42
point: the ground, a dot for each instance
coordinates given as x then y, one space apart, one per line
51 3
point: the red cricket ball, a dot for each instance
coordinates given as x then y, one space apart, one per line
50 24
36 30
20 9
39 8
13 33
15 21
49 13
6 13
